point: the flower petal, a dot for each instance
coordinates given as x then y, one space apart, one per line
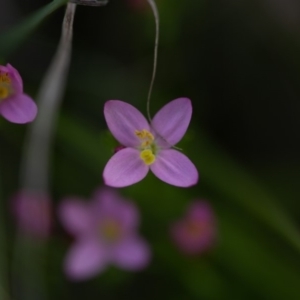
125 168
15 77
123 120
172 121
109 204
193 242
85 259
75 216
33 212
200 210
18 109
173 167
131 254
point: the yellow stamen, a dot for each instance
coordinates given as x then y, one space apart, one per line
144 134
4 92
4 78
147 156
111 230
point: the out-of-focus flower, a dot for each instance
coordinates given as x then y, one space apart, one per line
149 147
138 4
105 230
33 213
196 231
15 106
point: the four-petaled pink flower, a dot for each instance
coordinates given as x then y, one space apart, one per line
105 232
149 146
15 106
196 232
33 213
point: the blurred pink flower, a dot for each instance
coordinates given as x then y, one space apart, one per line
15 106
33 213
105 233
196 231
138 4
149 146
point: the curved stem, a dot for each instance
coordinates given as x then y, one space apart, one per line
156 16
90 2
27 270
35 168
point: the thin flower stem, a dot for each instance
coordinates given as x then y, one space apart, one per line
35 168
90 2
3 255
156 16
28 257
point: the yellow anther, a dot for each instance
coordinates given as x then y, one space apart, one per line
4 78
111 230
144 134
4 92
147 156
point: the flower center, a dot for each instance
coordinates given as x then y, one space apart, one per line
5 83
147 146
4 78
110 230
195 229
4 92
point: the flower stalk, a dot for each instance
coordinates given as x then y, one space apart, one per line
35 164
35 169
90 2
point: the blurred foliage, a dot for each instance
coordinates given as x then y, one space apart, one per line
239 63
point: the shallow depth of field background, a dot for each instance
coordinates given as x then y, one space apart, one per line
239 63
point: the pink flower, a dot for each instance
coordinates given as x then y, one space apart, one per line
149 147
15 106
196 232
137 4
33 213
105 233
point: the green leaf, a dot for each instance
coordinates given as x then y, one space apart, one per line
11 39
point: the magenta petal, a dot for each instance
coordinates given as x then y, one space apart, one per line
125 168
172 121
75 216
85 259
173 167
108 203
33 213
200 210
123 120
131 254
18 109
16 78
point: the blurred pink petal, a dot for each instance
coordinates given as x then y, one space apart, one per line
33 213
85 259
196 231
108 202
75 216
111 240
132 254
